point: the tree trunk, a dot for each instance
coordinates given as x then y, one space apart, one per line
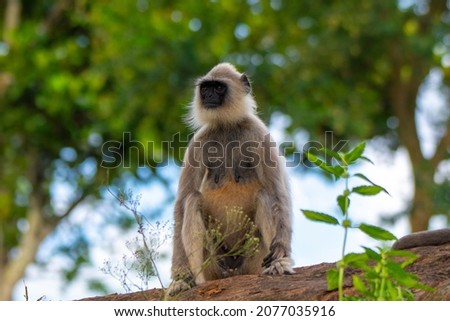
11 23
422 204
407 77
12 17
15 268
38 228
40 225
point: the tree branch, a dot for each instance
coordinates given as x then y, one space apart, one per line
442 149
55 220
56 13
11 23
12 18
28 246
39 229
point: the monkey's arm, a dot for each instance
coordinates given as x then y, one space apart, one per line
278 206
187 257
182 278
424 238
186 216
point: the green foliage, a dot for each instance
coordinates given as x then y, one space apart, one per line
376 232
384 276
320 217
135 271
236 224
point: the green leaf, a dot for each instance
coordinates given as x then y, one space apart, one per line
364 178
355 153
377 233
313 158
358 260
401 253
367 190
369 181
332 279
317 161
331 153
320 217
366 159
358 284
338 170
354 258
410 256
372 254
344 203
402 277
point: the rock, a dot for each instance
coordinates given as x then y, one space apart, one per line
424 238
308 283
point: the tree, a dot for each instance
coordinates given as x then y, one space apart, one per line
356 69
357 74
45 127
61 98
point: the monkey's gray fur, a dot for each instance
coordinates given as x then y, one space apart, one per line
230 162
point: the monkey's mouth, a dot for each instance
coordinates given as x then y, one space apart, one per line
211 105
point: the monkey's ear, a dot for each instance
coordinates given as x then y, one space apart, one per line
246 82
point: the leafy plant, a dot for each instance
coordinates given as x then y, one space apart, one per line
144 248
236 223
135 271
384 276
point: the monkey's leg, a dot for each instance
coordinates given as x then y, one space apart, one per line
273 220
182 278
193 236
188 246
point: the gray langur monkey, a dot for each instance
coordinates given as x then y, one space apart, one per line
230 162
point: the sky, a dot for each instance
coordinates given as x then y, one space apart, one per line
312 242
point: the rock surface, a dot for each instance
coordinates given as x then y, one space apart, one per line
308 283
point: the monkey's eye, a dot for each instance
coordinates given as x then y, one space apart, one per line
220 89
203 90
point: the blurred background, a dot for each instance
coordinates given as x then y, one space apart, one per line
92 98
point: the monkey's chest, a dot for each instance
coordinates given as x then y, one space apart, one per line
229 186
230 206
220 199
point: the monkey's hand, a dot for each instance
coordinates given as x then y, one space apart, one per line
277 261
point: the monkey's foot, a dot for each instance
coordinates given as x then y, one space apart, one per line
178 286
279 266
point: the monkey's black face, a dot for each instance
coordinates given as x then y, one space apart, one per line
213 93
